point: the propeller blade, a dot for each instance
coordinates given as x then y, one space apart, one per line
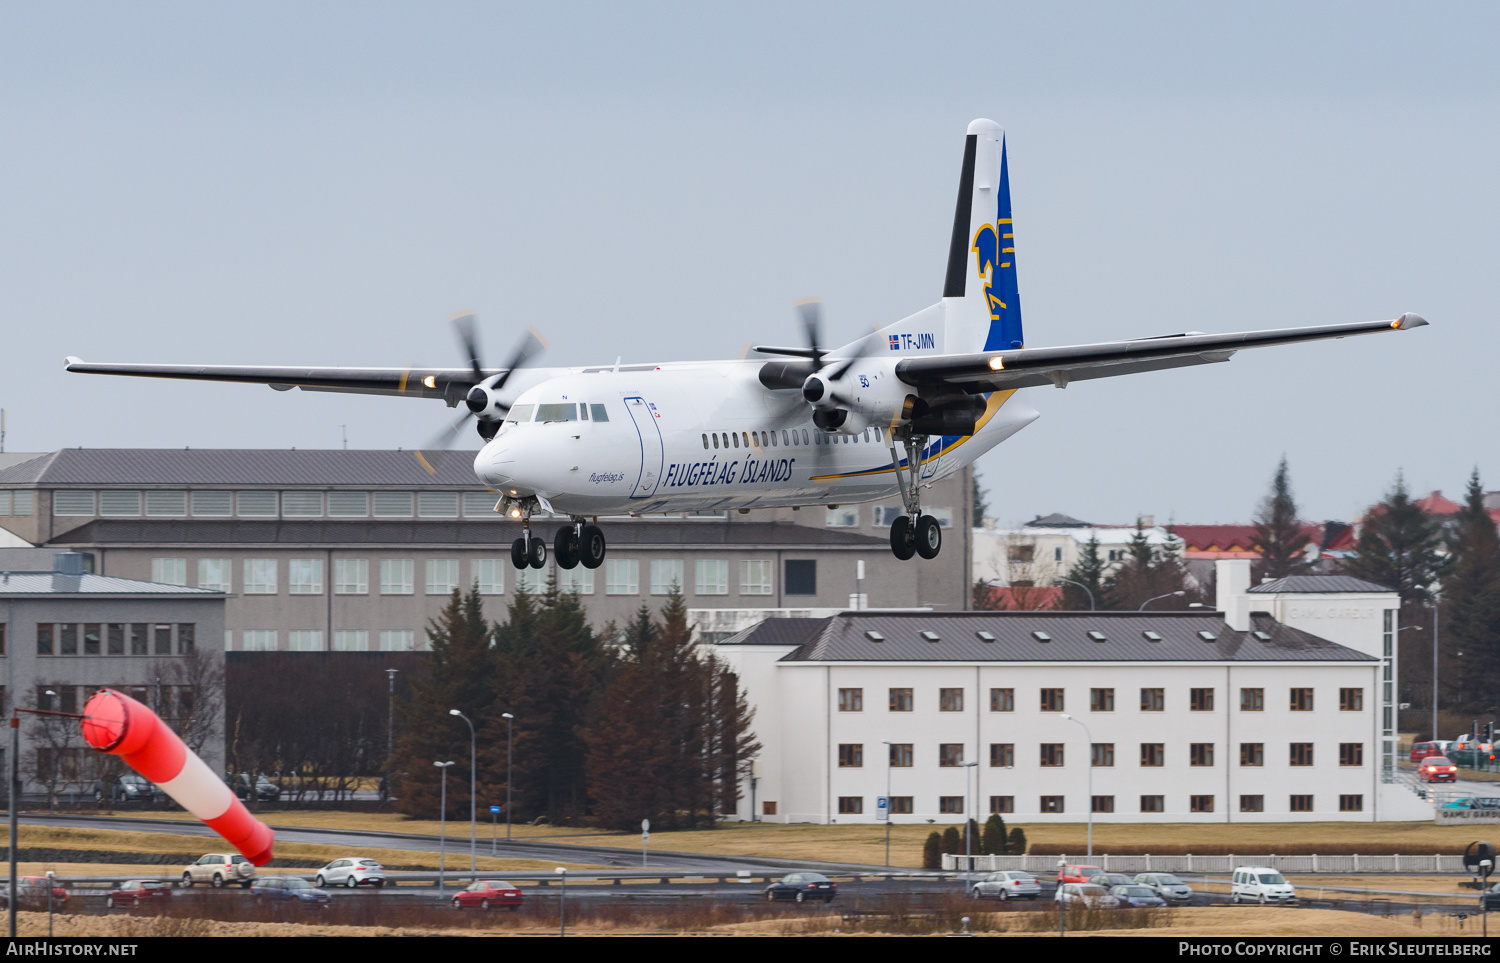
468 337
430 455
532 344
811 312
864 349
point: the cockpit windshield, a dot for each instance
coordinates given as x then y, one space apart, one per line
520 413
566 411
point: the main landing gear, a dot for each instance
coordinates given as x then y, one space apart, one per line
580 543
913 533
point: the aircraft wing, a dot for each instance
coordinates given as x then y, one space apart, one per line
448 384
1026 367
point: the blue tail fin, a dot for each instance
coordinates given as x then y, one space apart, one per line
982 305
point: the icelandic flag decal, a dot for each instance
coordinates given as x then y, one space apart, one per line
895 343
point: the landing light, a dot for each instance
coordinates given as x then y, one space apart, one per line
997 363
515 513
430 381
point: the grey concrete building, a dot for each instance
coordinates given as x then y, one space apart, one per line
65 632
358 550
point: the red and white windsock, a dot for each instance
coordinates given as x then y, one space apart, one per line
115 723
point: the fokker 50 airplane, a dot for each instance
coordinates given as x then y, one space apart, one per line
887 414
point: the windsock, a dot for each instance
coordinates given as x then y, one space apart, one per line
115 723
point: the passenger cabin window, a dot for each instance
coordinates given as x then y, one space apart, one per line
599 412
562 412
520 413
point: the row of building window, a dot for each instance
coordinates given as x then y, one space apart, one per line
311 640
114 638
1101 754
902 805
167 701
351 576
163 503
1100 700
17 503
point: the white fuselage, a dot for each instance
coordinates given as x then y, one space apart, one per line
710 436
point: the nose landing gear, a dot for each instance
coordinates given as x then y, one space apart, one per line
526 551
912 533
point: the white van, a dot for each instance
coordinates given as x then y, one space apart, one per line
1260 884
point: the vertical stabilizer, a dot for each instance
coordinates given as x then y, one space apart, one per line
981 302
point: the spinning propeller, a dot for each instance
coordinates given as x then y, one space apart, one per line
821 385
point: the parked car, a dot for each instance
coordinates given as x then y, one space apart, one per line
802 887
351 872
486 893
289 890
134 892
1110 880
32 893
1422 750
220 869
1437 769
1260 884
1077 874
1166 886
1474 802
1091 895
1006 884
1136 896
265 789
132 787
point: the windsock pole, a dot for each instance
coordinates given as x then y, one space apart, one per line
117 724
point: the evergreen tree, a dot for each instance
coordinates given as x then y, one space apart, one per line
732 745
977 506
1147 574
953 842
1398 547
994 836
1017 842
1089 571
1277 531
1470 610
932 851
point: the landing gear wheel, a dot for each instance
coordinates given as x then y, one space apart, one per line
518 553
929 537
591 547
565 547
903 545
536 553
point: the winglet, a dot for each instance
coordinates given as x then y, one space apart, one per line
72 360
1408 320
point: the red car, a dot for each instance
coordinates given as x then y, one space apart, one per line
1437 769
1077 874
134 892
485 893
1422 750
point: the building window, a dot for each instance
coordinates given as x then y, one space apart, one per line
25 503
755 576
768 808
1102 756
1302 700
1051 754
1252 753
305 641
1201 700
951 804
666 576
1252 700
622 576
1002 700
901 805
256 504
1052 700
1153 754
351 576
1201 804
437 504
1103 804
576 581
1153 804
851 805
91 638
66 503
44 637
162 634
114 504
851 700
1050 804
357 641
1351 754
442 576
213 504
1252 804
1301 754
140 641
116 643
260 576
851 756
1002 755
260 640
170 571
393 505
1353 700
950 700
1302 804
1351 803
304 576
187 635
901 755
842 517
163 504
900 700
214 574
398 641
712 576
1153 700
951 754
801 577
301 504
533 581
396 576
1101 700
67 639
1002 804
348 504
1201 754
479 505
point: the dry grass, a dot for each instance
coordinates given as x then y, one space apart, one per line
386 823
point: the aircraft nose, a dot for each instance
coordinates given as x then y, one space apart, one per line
495 464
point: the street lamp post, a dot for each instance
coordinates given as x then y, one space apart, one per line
509 722
1154 598
969 823
889 748
1090 738
1418 628
562 902
390 728
443 825
1087 591
473 783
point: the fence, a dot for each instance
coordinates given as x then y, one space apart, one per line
1212 865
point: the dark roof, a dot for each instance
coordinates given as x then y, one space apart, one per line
54 583
1316 584
105 467
842 638
637 532
1056 520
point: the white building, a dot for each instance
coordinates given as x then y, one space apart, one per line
1046 548
1193 716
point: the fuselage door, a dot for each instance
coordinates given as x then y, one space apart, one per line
652 456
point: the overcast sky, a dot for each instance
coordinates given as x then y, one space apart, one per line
325 183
